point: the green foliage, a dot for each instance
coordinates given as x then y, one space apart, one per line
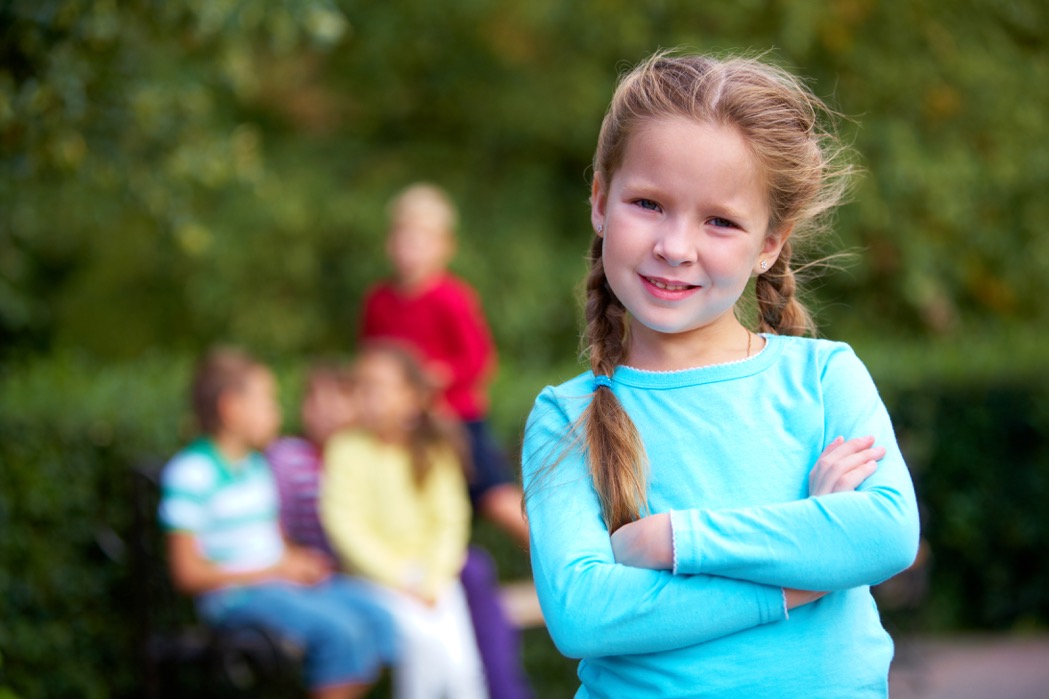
230 161
67 435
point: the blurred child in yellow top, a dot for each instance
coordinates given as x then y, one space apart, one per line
395 508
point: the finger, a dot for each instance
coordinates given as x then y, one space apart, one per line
847 463
852 479
832 467
840 449
817 472
835 443
840 460
845 447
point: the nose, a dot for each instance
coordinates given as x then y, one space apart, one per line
675 244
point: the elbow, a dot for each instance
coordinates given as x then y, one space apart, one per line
580 628
573 639
184 582
901 539
905 547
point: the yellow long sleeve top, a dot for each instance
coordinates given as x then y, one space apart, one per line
386 528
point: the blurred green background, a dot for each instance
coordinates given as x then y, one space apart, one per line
178 173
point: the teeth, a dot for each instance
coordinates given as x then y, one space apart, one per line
668 287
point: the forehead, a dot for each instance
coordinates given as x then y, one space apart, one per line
262 375
258 379
422 212
327 383
679 153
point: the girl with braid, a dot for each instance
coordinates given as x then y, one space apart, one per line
710 503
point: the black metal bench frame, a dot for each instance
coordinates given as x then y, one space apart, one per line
177 655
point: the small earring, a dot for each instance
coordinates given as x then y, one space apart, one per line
600 228
764 265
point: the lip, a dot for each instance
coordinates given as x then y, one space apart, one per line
667 289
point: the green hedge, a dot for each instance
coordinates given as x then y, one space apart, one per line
70 429
980 457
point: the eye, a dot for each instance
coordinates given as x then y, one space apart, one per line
719 222
647 204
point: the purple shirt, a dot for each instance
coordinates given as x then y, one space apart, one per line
297 466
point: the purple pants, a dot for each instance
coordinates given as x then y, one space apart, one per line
497 638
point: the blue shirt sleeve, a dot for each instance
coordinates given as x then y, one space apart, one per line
593 606
830 542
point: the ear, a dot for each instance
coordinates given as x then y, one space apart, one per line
598 203
771 248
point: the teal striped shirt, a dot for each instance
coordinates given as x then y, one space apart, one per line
231 508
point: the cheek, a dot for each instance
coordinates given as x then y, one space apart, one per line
618 254
732 264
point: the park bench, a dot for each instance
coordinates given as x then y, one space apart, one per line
177 655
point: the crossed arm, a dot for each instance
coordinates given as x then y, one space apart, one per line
841 468
858 526
193 574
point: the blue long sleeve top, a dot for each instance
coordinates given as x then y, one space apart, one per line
730 448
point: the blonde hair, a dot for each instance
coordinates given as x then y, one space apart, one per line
425 200
787 129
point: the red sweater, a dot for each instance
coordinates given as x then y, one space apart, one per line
445 323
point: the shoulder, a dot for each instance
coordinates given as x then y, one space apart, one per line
289 452
833 365
818 352
453 289
190 471
453 284
257 466
561 405
577 390
342 449
446 460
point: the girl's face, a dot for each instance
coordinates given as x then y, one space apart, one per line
685 226
386 402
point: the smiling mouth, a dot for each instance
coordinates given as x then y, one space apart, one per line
667 286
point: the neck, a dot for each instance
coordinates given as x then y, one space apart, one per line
654 351
390 434
417 285
232 447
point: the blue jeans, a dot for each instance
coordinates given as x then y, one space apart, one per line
346 635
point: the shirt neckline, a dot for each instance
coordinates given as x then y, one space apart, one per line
645 378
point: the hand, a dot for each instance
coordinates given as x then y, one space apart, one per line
646 543
425 600
843 465
303 566
796 598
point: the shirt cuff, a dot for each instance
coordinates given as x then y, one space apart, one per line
685 538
